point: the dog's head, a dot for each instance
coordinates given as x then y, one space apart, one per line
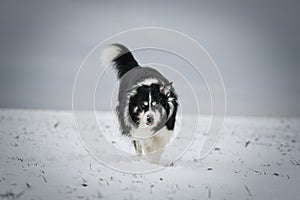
150 106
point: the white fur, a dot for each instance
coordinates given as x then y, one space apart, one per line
171 109
147 81
109 54
150 100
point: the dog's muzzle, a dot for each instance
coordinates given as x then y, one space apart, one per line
149 119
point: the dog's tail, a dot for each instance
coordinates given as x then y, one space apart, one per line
120 57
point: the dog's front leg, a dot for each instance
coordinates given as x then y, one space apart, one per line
138 147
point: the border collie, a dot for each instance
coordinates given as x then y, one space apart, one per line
147 102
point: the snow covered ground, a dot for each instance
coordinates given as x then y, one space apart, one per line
41 157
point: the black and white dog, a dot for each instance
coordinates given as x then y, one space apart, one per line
147 102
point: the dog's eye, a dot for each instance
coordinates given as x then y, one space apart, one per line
154 103
135 109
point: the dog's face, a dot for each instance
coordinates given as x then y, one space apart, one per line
149 106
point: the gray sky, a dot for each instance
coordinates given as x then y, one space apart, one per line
256 45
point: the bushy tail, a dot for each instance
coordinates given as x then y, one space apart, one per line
120 56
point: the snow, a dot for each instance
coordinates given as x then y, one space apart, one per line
41 157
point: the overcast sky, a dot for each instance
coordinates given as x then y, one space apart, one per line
256 45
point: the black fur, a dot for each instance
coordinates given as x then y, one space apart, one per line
142 94
124 62
171 122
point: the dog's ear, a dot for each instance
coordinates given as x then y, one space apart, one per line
166 89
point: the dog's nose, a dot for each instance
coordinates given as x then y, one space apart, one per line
150 119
